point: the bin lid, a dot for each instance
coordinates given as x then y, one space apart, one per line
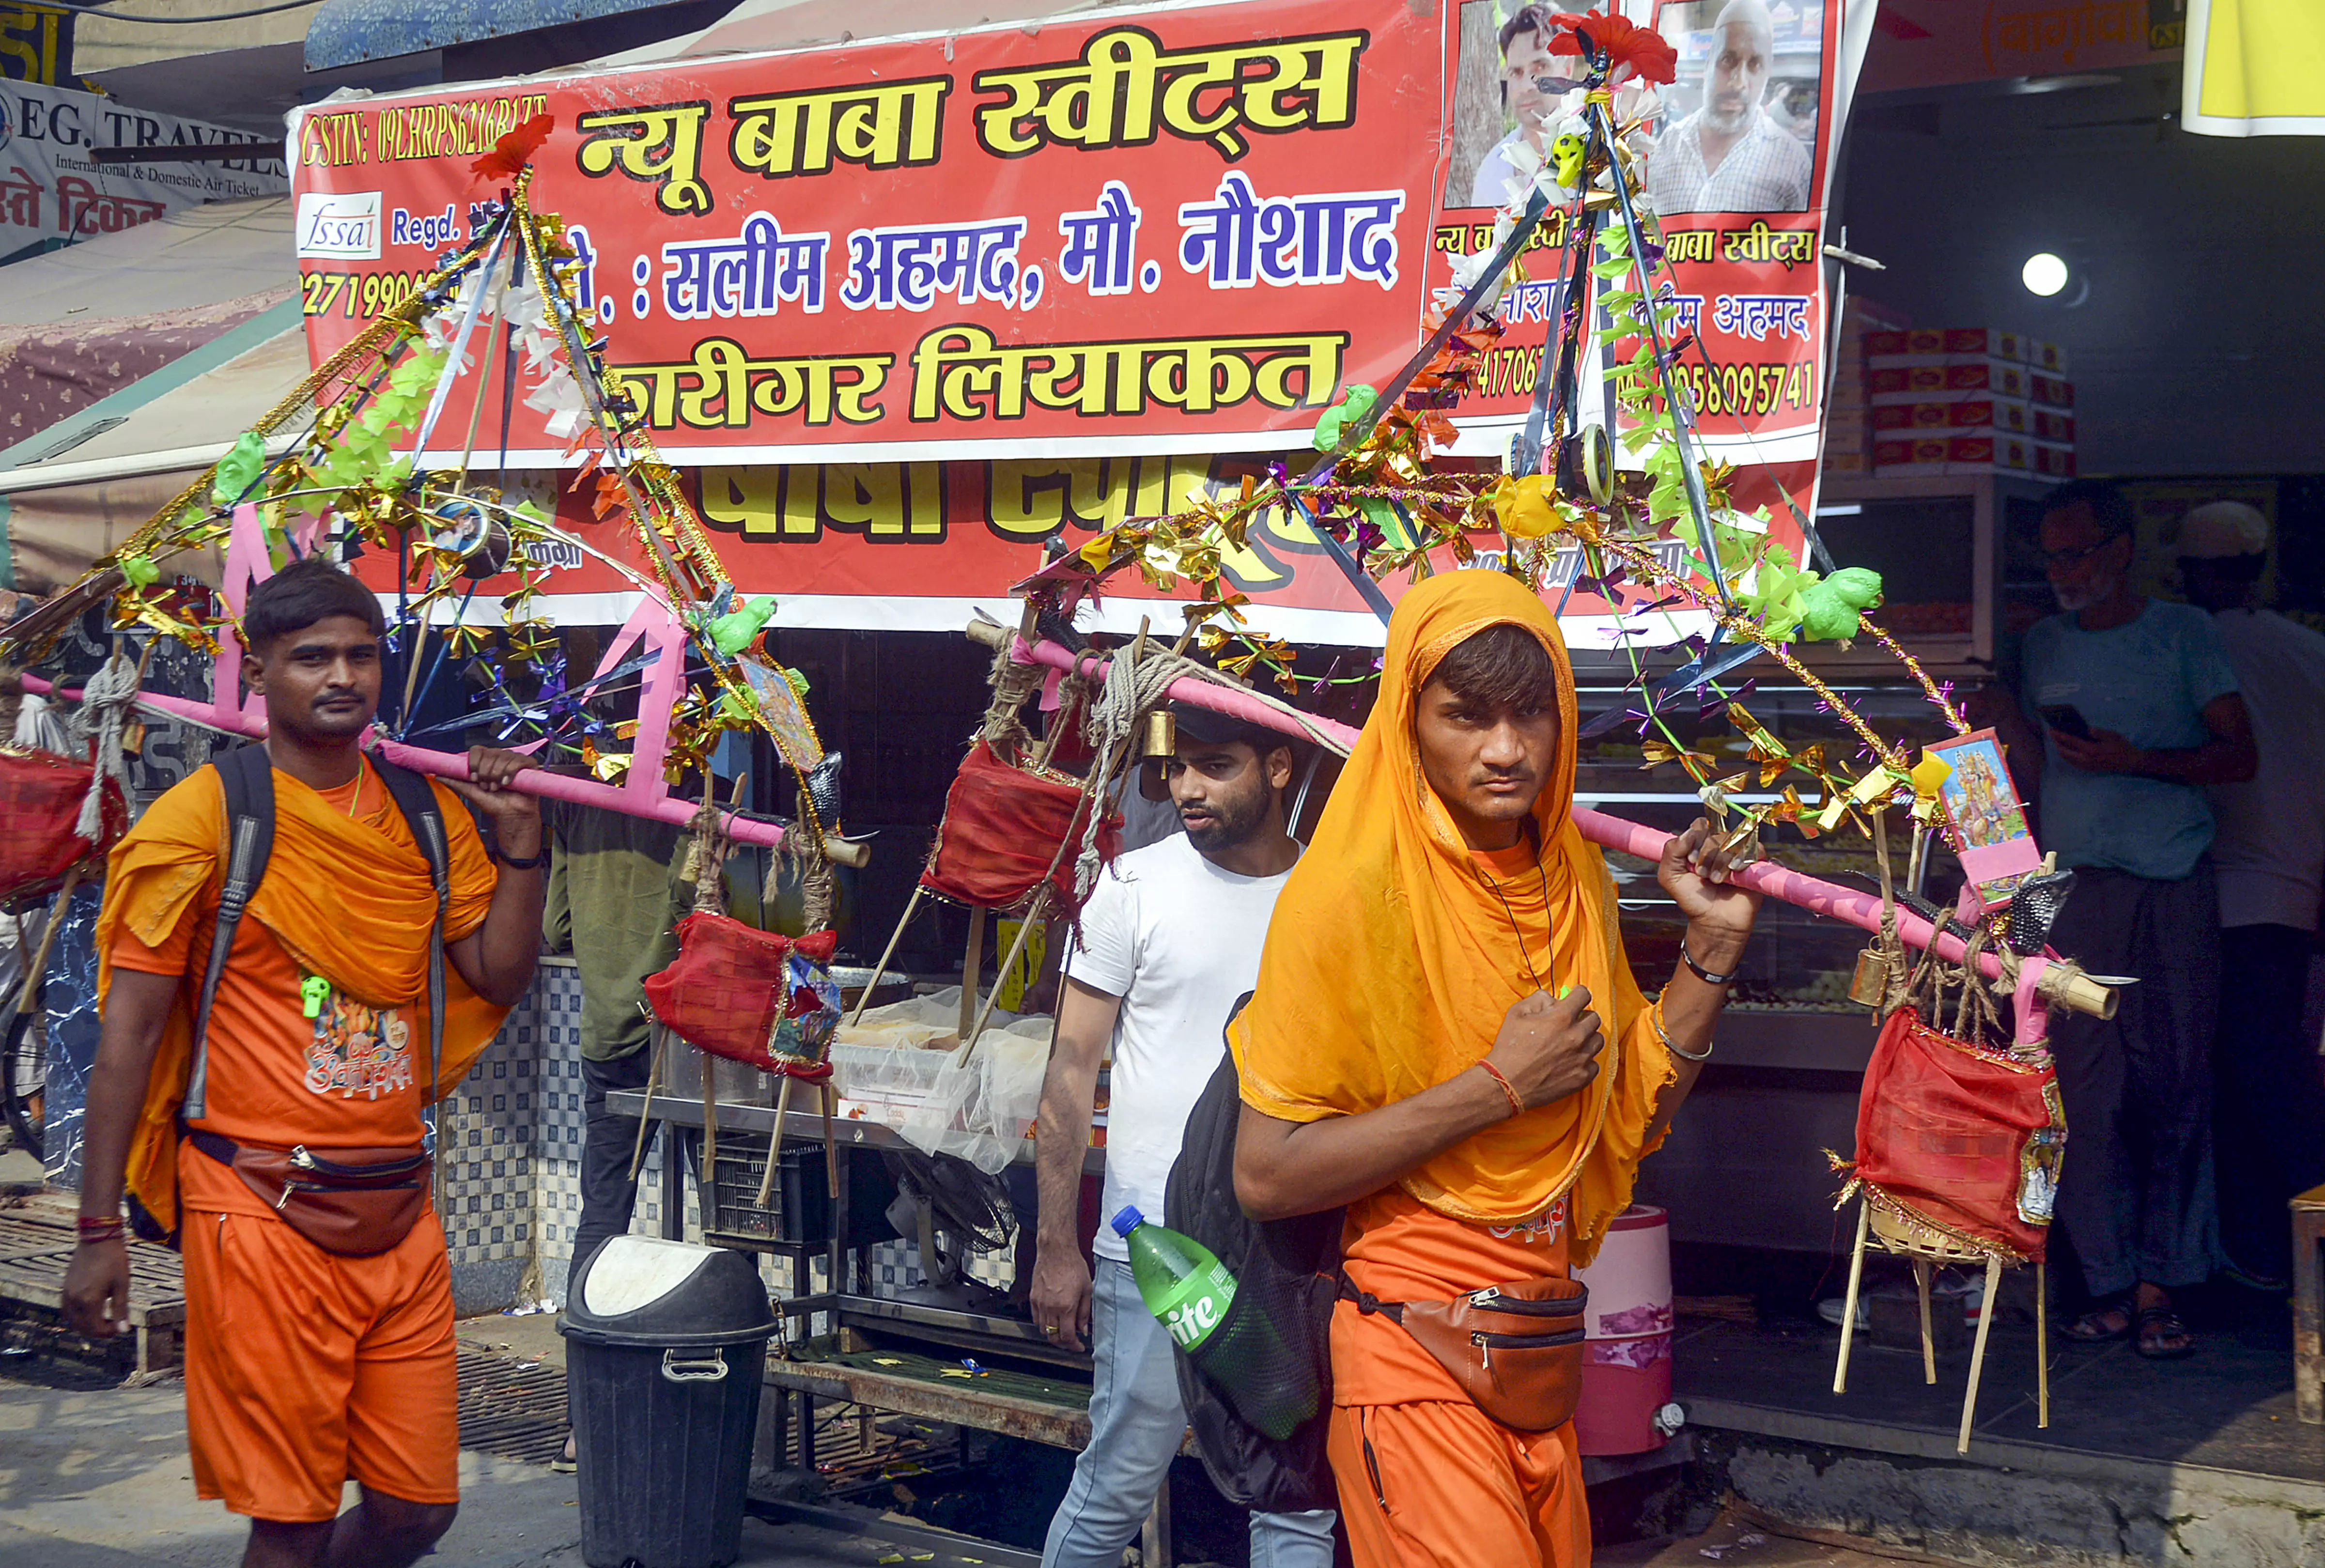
643 1291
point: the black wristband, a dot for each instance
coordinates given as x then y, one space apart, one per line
541 859
1700 973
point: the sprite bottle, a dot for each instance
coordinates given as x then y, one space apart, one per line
1189 1292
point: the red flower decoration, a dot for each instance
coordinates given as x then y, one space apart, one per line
513 151
1631 49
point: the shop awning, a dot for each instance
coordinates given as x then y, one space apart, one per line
65 343
201 255
772 24
349 32
127 456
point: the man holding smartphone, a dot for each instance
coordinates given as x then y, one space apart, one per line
2129 708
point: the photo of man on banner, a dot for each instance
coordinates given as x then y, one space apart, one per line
1740 132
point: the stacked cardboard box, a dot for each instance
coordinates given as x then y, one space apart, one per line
1968 400
1848 431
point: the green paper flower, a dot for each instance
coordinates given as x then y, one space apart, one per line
239 470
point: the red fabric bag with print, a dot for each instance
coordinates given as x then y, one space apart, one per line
751 996
1965 1139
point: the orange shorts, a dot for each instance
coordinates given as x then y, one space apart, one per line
304 1369
1459 1488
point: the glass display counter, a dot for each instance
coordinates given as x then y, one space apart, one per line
1744 1163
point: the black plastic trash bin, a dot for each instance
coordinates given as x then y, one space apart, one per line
665 1345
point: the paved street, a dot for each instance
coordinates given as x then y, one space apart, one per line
95 1477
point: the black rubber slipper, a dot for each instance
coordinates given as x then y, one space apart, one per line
2167 1323
2085 1329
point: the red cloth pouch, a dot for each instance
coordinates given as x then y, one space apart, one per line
1967 1139
750 996
41 795
1000 833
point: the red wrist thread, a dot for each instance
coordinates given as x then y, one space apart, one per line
1517 1105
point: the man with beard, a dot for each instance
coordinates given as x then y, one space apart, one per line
2130 709
1170 940
1729 156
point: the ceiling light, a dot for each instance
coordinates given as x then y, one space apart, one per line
2043 273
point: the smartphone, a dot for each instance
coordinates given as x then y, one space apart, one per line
2067 719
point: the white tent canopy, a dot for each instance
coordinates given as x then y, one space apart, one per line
200 256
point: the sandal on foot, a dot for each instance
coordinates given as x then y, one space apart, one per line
2157 1324
2091 1329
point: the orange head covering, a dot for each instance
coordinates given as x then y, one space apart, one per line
1391 961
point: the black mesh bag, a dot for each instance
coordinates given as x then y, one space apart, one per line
1286 1277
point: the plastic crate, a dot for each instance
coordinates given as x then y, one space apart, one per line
798 1211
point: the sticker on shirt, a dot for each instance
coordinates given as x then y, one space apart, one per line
1539 1231
358 1051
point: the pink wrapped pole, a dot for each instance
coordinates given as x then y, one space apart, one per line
579 792
2067 986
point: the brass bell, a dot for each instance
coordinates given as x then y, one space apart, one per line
1869 987
1161 735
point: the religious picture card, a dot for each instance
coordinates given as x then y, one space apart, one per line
1985 818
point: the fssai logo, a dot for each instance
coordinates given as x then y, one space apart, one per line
344 226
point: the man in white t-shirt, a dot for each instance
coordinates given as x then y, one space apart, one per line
1169 939
2268 1109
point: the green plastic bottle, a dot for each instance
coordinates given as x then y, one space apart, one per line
1189 1291
1186 1288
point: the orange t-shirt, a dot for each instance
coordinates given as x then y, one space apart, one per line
352 1076
1400 1249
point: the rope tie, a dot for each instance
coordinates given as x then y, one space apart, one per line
707 856
1003 726
1133 687
106 700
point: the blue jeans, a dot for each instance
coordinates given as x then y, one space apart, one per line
1136 1424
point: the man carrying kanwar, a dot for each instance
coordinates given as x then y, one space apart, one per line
1446 1038
319 1303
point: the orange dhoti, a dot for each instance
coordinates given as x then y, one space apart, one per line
305 1369
1456 1488
1426 1479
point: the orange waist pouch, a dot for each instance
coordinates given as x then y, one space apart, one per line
1515 1349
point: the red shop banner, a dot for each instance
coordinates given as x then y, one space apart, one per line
984 289
1172 231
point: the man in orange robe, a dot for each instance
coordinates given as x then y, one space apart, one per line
304 1369
1446 1038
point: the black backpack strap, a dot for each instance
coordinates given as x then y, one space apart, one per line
248 777
416 798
